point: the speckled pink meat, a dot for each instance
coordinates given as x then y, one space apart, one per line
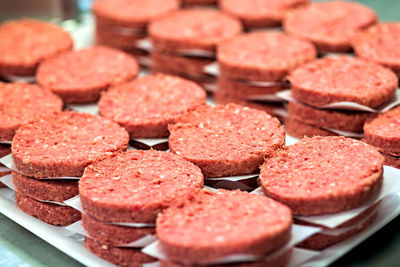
226 140
136 185
212 225
299 129
27 42
335 79
260 13
263 56
21 102
63 144
322 175
380 44
193 29
329 25
80 76
145 106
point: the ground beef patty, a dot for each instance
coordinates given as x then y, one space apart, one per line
259 13
124 257
45 190
211 226
331 25
21 102
339 120
80 76
226 140
383 132
50 213
321 175
263 56
111 234
299 129
136 185
390 160
145 106
335 79
25 43
63 144
192 29
380 44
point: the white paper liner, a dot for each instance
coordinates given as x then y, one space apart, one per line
140 243
152 141
234 178
9 163
5 142
266 98
90 108
4 169
299 233
350 106
344 133
75 203
20 79
290 140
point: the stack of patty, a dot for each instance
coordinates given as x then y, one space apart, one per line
383 132
254 67
50 154
122 23
321 176
122 195
185 41
336 79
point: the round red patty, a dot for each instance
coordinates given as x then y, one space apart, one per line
211 226
299 129
383 131
25 43
132 13
193 29
111 234
21 102
324 118
80 76
321 175
263 56
390 160
145 106
136 185
330 25
335 79
44 190
259 13
50 213
380 44
124 257
63 144
226 140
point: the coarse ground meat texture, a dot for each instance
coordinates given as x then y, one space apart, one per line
383 131
63 144
329 25
320 241
211 226
226 140
200 29
280 260
334 79
111 234
124 257
180 64
45 190
27 42
47 212
299 129
80 76
263 56
244 89
321 175
390 160
334 119
259 13
136 185
145 106
22 102
132 13
380 44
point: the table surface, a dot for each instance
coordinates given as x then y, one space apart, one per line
19 247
